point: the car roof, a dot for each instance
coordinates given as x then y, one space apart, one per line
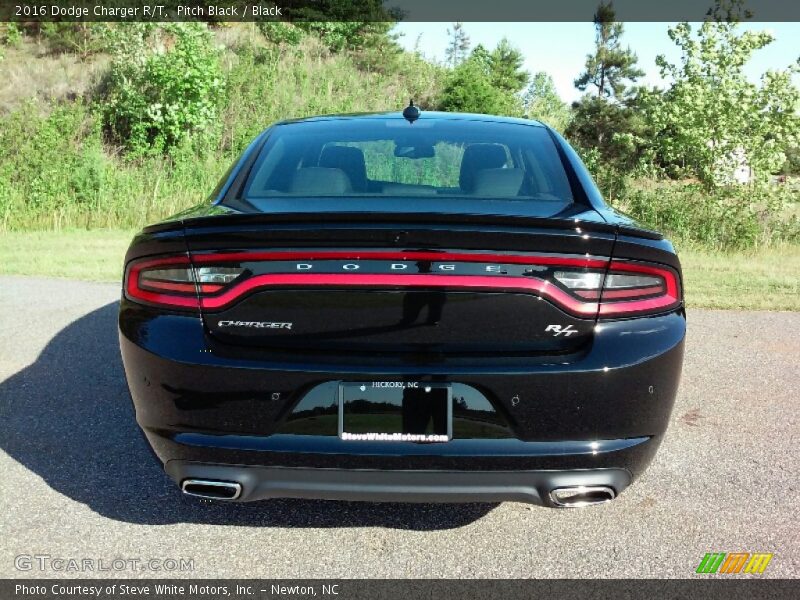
424 116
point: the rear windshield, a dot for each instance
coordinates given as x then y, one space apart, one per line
357 159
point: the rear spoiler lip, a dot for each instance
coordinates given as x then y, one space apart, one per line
589 220
640 232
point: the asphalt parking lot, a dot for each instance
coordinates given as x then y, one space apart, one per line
78 481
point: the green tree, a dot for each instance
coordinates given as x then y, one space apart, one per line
458 47
713 119
597 123
729 11
542 103
792 164
469 88
481 56
505 67
486 82
345 24
613 135
610 66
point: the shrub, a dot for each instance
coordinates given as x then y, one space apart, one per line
83 39
164 83
55 173
725 218
279 32
612 182
45 166
11 34
341 35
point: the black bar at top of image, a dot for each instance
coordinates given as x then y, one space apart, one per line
389 10
398 589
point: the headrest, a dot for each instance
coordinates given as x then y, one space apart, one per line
497 182
348 159
480 156
319 181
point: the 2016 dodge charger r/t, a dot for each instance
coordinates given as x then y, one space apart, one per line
403 307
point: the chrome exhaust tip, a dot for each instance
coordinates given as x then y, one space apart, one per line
582 495
213 490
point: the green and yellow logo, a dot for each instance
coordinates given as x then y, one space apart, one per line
734 562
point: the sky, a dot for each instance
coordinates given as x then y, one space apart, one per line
560 49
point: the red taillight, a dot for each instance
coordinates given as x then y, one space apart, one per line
583 286
174 282
626 289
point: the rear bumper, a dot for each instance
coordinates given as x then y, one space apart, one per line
604 408
261 483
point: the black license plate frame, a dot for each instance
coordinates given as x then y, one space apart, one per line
395 411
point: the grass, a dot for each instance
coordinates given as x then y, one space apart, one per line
94 255
768 279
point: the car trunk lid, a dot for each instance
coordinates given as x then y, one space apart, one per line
421 284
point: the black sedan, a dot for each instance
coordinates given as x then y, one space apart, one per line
403 307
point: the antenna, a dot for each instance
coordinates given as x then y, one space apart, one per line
411 112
